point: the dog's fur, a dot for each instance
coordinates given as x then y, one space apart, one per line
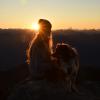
68 59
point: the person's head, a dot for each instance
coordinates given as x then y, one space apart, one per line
45 26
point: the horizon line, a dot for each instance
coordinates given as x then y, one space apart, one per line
53 29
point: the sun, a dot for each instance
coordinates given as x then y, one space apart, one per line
35 26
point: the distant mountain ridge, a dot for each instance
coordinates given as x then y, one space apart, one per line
14 42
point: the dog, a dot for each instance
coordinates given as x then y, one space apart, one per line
68 59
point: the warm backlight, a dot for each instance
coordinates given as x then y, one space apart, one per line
35 26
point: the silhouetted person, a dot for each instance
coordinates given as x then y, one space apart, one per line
39 52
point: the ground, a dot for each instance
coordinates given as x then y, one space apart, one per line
41 89
13 88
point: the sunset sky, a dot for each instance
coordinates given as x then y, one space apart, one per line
77 14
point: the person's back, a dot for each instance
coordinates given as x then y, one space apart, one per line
40 51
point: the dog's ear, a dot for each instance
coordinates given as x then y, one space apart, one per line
54 54
58 45
63 43
75 51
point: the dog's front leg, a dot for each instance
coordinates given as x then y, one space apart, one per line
68 84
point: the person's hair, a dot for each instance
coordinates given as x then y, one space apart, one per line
46 22
28 51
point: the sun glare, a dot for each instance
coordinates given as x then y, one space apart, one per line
35 26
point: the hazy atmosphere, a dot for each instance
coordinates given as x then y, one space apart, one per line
49 49
77 14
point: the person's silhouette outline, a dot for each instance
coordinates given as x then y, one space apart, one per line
39 52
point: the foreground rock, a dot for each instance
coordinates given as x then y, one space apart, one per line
44 90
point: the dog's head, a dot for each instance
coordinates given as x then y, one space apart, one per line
64 51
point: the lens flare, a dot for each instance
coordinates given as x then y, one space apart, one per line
35 26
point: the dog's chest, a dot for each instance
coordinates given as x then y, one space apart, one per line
67 66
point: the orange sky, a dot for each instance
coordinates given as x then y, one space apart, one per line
77 14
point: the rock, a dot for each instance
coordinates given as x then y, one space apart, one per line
44 90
